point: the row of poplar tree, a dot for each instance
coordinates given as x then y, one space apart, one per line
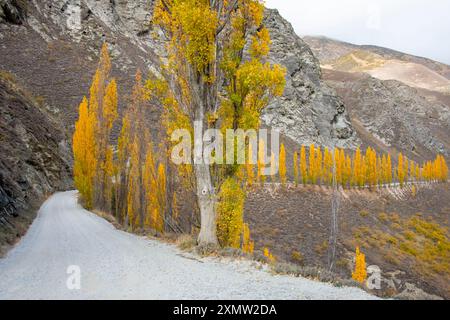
130 182
126 180
314 166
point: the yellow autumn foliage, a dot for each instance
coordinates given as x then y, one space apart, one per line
230 212
248 246
360 272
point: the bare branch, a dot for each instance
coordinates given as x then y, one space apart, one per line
227 17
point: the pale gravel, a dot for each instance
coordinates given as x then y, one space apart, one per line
119 265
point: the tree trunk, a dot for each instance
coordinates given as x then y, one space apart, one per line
206 196
207 204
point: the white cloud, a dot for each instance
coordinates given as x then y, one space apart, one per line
420 27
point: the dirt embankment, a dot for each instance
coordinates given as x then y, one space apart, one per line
404 232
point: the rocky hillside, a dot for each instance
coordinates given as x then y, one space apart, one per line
382 63
57 42
309 111
396 229
34 162
397 102
328 50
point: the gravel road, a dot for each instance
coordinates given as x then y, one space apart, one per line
116 265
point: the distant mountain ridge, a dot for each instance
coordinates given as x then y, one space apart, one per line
327 50
381 63
396 101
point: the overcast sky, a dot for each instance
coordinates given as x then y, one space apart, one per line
419 27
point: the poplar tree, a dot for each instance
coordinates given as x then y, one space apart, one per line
318 167
248 245
205 46
357 169
303 165
347 180
312 164
134 187
83 146
296 171
103 106
389 170
282 165
230 214
360 273
161 192
261 161
93 154
328 165
401 170
150 188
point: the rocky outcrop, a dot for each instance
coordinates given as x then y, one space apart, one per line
13 11
34 159
394 116
309 111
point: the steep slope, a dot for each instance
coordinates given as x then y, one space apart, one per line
409 113
383 64
34 159
393 116
327 49
58 42
309 111
397 229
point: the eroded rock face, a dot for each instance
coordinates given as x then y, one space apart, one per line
309 111
35 154
13 11
394 115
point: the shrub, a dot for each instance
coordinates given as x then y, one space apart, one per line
314 273
364 213
248 245
383 217
269 255
230 214
322 248
297 257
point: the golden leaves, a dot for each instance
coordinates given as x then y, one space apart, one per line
360 273
230 213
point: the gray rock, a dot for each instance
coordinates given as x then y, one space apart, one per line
32 162
411 292
309 111
395 115
13 11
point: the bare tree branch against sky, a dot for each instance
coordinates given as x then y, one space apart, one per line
419 27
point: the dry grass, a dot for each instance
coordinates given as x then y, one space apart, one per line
313 273
7 76
417 243
321 248
185 242
107 216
